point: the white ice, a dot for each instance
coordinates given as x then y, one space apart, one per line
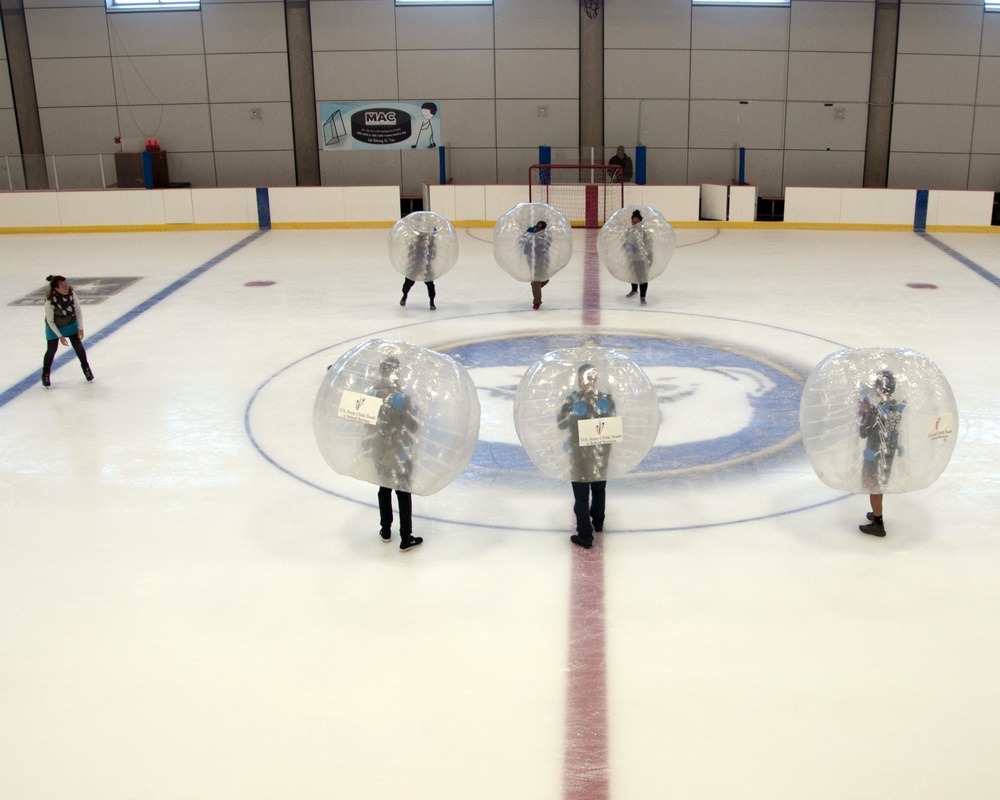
183 618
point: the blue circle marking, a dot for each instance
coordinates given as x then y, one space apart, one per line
771 408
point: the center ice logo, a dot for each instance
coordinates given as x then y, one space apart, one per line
719 406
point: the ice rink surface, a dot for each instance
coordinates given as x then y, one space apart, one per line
193 606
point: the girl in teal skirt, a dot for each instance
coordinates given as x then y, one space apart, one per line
63 323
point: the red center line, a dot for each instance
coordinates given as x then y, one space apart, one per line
591 280
585 761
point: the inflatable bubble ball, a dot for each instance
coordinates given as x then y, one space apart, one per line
394 414
532 242
636 244
878 421
423 246
586 414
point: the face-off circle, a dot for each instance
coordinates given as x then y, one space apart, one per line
729 419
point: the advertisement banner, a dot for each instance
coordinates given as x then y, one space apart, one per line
380 125
359 407
605 430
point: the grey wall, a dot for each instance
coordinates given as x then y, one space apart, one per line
788 84
490 66
946 115
691 84
186 78
10 171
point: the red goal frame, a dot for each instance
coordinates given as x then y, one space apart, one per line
586 193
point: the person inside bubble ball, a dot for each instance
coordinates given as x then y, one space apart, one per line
390 442
590 462
421 257
535 244
639 254
878 424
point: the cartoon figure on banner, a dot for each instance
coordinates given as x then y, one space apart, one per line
427 111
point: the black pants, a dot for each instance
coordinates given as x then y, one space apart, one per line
408 284
53 344
405 502
589 512
640 288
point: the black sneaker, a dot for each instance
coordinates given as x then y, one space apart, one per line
88 374
874 529
45 379
432 305
386 534
633 293
410 543
575 539
402 300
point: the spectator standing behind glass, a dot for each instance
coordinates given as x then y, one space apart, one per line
639 254
535 244
590 463
421 255
621 160
63 323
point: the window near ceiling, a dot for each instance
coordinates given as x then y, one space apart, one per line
741 2
152 5
992 6
444 2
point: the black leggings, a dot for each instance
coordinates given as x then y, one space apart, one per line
408 284
53 345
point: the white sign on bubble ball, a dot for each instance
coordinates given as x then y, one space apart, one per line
532 242
394 414
878 421
423 246
636 244
586 414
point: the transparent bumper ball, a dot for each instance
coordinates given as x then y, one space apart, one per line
586 414
394 414
878 420
532 242
423 246
636 244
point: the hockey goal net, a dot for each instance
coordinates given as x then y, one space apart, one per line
586 193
